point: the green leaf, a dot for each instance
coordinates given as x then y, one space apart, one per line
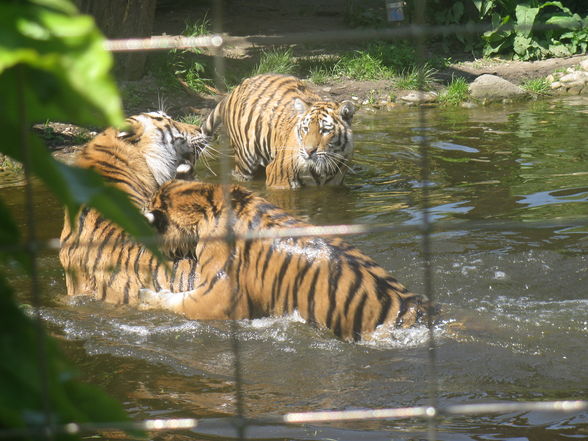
10 240
525 16
60 54
557 5
457 11
565 21
25 387
87 187
560 50
521 45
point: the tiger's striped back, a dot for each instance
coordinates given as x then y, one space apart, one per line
329 282
276 121
98 257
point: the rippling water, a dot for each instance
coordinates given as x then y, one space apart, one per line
513 293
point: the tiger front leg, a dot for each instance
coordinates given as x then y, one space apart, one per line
245 168
281 172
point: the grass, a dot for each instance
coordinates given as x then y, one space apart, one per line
416 77
539 86
361 66
198 28
192 118
277 60
456 93
377 60
319 69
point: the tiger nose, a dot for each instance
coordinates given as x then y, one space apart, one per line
310 150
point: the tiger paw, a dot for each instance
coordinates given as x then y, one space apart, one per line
240 176
149 299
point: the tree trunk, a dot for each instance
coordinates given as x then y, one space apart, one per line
123 19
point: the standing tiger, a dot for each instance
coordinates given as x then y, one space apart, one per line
98 256
275 121
329 282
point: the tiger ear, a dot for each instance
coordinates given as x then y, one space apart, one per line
347 110
132 131
299 106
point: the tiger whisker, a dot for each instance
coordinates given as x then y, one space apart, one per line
207 165
161 102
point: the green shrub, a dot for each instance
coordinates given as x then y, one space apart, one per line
536 30
527 30
185 64
53 65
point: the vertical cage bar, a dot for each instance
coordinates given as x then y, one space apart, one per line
225 170
31 247
428 289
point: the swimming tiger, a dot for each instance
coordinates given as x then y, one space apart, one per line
328 281
98 256
276 122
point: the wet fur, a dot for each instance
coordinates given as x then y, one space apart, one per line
98 257
329 282
276 122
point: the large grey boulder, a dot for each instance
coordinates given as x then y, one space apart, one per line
491 88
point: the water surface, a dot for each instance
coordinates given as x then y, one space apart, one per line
514 294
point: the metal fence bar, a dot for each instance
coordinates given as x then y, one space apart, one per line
398 413
230 238
31 248
350 230
166 42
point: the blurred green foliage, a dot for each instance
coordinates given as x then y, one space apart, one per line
53 66
527 30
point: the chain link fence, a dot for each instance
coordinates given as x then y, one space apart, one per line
239 422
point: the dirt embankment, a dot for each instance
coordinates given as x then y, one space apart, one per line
256 24
260 21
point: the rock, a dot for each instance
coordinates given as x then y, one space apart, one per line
493 88
555 85
584 65
419 97
575 88
574 77
573 83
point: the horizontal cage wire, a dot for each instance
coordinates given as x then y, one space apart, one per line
427 228
327 416
338 230
217 41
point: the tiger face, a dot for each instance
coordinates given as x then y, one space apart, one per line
324 138
164 142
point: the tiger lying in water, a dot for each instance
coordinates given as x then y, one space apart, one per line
98 257
274 121
328 281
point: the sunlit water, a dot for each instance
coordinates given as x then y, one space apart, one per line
513 294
